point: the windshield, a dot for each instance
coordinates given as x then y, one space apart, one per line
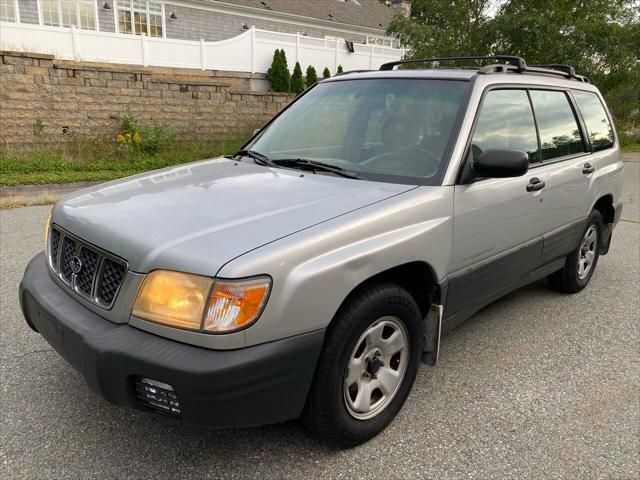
393 130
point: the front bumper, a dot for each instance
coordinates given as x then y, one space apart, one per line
251 386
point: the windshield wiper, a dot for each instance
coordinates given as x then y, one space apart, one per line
313 165
258 157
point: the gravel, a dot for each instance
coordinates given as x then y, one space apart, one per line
537 385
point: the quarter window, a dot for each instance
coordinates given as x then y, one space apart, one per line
67 13
595 117
8 11
557 125
506 123
140 17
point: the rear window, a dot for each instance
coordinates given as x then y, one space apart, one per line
559 131
596 120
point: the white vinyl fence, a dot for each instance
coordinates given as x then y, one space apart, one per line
251 51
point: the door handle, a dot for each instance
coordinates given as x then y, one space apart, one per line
587 168
535 184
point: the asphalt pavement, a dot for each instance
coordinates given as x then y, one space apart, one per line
537 385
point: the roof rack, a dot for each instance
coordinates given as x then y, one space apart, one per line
512 64
352 71
517 62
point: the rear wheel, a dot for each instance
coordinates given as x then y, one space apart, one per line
367 367
581 263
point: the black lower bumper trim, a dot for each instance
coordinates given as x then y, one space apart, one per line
251 386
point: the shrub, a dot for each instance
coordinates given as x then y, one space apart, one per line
312 76
147 139
339 70
326 73
297 84
279 74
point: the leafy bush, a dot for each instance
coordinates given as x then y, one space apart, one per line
326 73
339 70
278 73
147 139
297 84
312 76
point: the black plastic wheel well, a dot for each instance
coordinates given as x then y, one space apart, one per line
605 206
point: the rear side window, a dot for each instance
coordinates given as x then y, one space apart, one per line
506 123
559 130
595 118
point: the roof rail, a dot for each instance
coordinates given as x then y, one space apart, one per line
513 64
517 62
352 71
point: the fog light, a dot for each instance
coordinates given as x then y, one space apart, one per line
157 395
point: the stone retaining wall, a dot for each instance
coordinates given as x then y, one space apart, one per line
74 100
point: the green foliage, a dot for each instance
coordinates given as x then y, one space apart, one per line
599 37
147 139
339 70
297 83
278 73
312 76
38 128
326 73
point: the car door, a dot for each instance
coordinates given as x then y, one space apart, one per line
498 223
566 163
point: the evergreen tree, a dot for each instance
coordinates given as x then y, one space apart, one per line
312 76
339 69
297 84
279 74
326 73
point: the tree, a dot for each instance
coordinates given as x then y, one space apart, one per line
444 28
599 38
312 76
279 74
326 73
297 84
339 70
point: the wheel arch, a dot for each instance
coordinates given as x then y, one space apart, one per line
417 278
605 206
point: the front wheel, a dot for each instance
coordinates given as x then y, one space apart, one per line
367 367
581 263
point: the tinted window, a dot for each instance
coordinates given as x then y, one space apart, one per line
506 122
559 131
596 120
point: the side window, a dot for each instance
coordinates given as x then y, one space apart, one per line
506 122
598 126
559 130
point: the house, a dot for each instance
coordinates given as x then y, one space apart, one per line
358 21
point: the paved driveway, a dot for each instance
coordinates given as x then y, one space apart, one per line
538 385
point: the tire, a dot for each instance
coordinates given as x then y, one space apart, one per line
379 317
575 275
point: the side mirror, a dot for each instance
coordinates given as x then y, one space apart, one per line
500 164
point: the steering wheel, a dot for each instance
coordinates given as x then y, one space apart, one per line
421 154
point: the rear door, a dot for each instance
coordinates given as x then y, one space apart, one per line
498 222
565 161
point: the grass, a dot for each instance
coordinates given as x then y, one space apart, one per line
102 160
629 143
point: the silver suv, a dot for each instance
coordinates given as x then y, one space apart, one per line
310 274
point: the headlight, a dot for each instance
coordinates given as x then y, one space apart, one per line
195 302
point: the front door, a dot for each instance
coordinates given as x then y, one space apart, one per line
498 222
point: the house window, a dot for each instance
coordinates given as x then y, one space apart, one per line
9 10
139 16
67 13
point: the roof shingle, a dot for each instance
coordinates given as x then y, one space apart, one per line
363 13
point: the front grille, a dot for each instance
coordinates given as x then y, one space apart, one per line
87 270
157 395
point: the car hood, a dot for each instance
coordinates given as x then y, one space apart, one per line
199 216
